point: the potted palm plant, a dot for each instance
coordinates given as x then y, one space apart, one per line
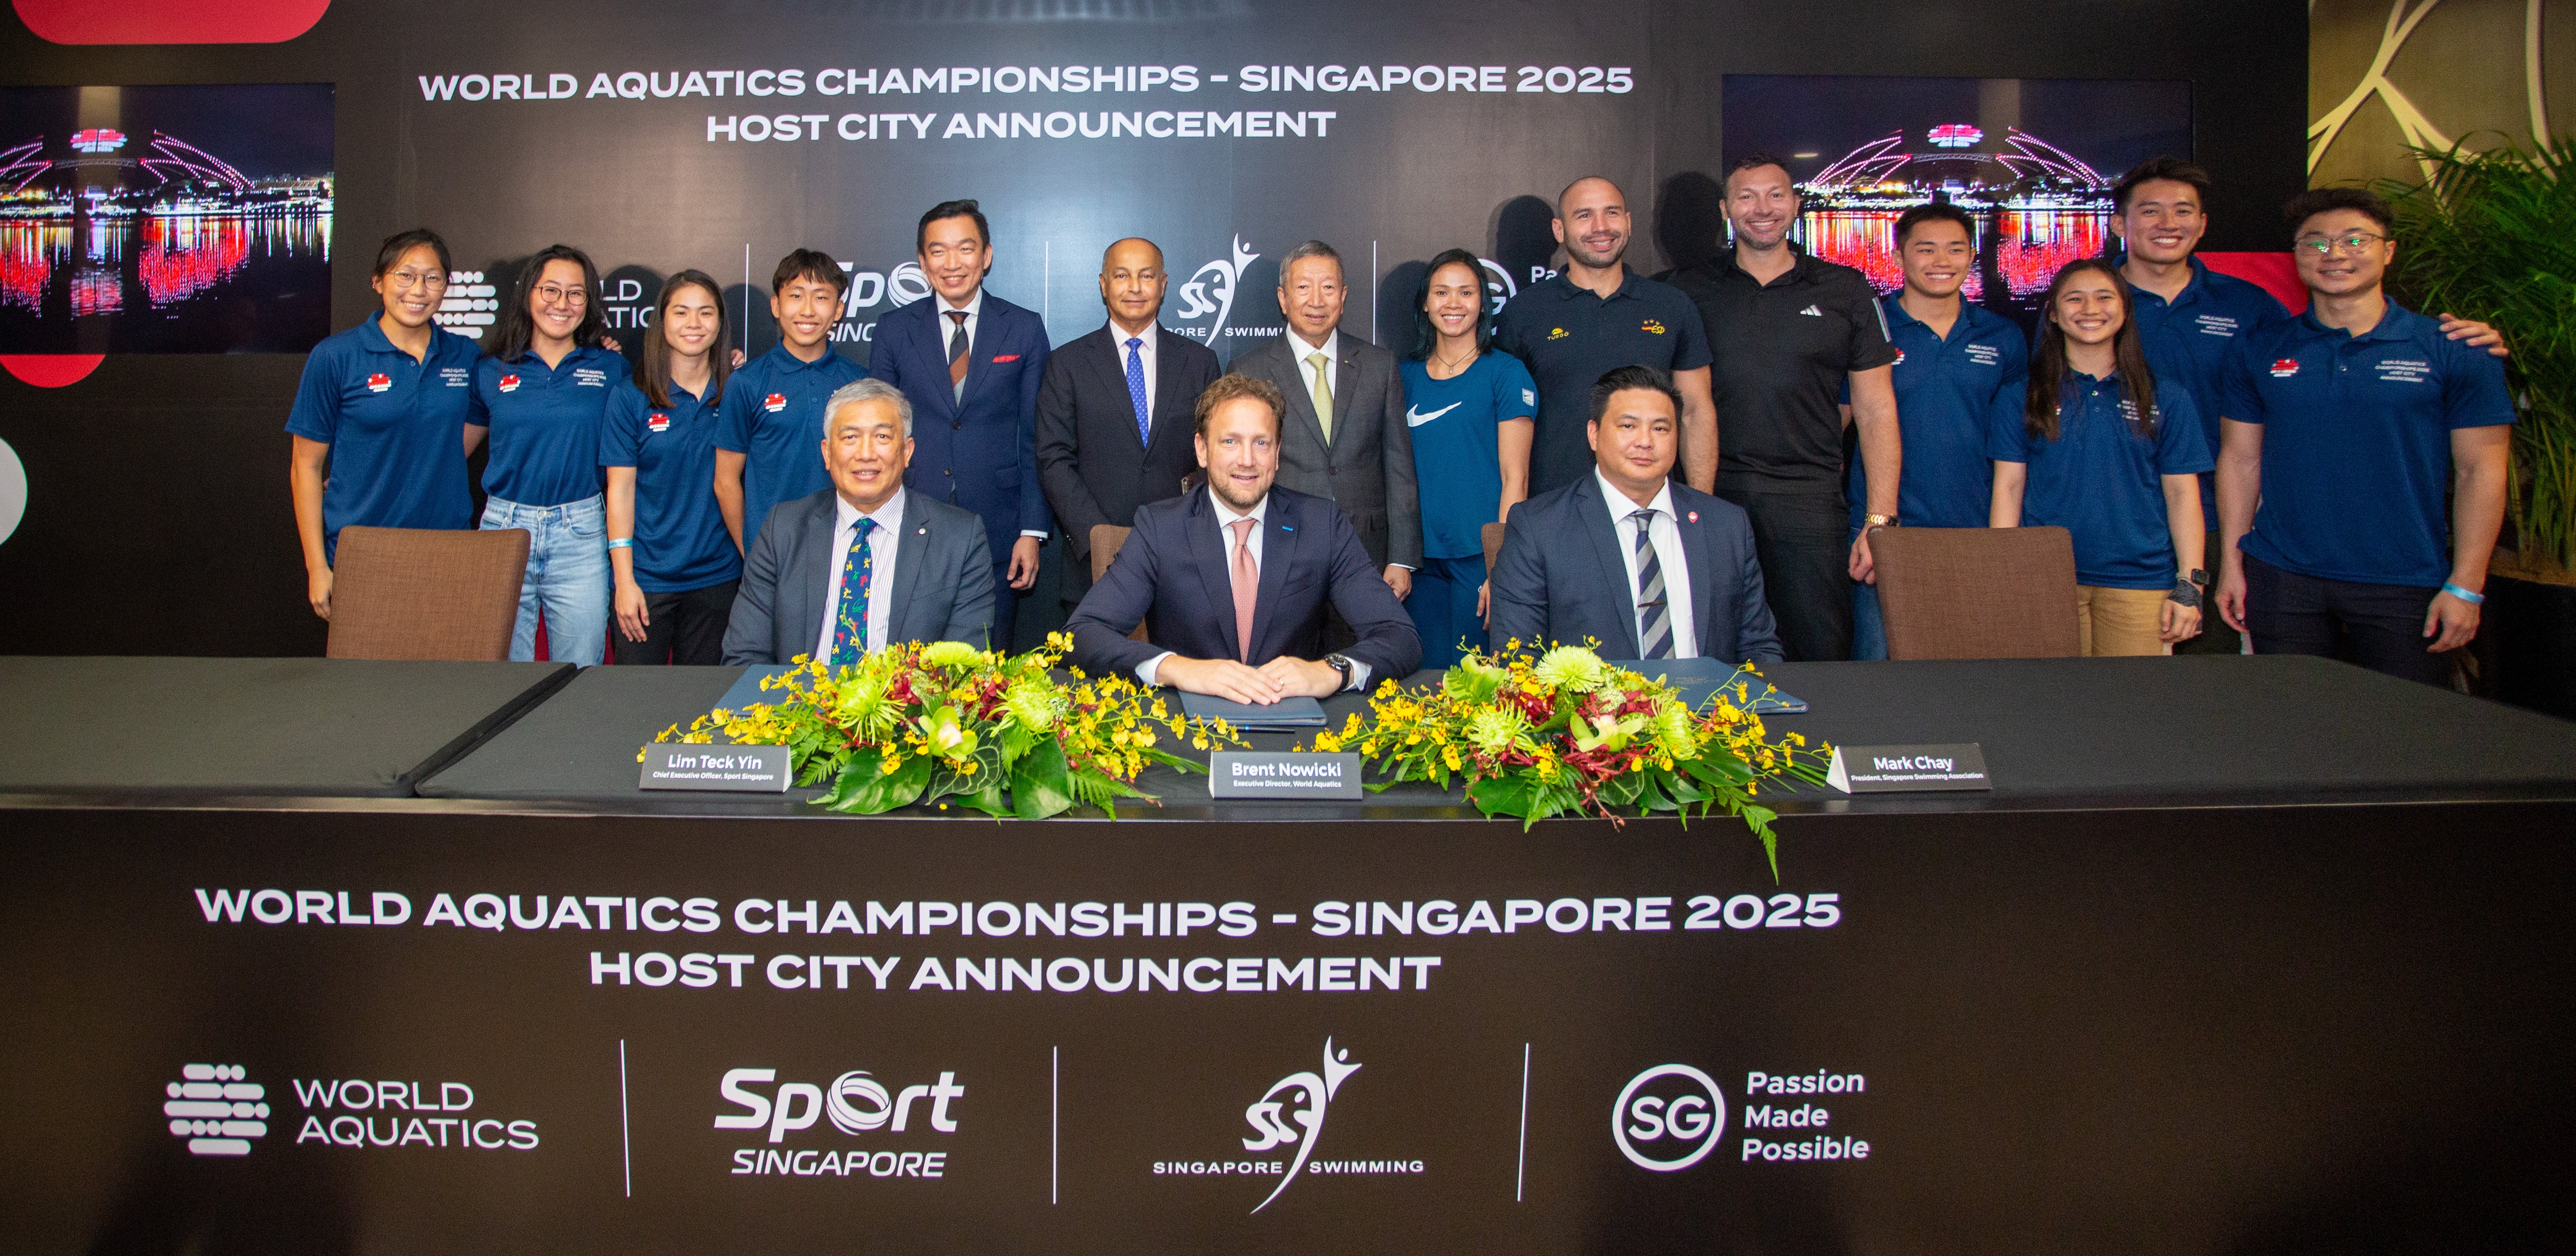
2492 235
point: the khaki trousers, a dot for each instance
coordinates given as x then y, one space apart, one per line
2114 622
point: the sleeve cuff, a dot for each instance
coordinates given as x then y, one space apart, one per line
1039 535
1147 670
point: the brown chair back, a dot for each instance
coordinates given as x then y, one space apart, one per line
416 593
1106 540
1977 593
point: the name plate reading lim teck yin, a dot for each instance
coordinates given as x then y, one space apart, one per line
738 769
1894 769
1283 774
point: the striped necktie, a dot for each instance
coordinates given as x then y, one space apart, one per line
1654 618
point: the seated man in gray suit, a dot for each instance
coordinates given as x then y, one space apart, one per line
1345 438
1649 567
862 563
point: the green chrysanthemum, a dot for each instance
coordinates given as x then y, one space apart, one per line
1035 704
1571 667
949 654
1495 729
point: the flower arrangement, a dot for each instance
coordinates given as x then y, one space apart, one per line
1569 734
925 723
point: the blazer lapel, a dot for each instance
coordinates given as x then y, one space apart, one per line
1167 385
1346 383
1594 520
1278 550
933 328
1301 400
1208 553
911 556
1695 556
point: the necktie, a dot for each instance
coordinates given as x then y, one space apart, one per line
850 626
1323 391
1136 388
957 354
1247 585
1654 618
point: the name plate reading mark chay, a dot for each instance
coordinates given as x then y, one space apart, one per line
1283 774
736 769
1896 769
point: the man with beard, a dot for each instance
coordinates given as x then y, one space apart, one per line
1575 327
1787 334
1232 581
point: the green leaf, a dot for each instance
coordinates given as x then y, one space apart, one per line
988 799
864 790
1622 790
1040 784
1506 796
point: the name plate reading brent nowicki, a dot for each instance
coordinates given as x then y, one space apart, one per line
1283 774
739 769
1895 769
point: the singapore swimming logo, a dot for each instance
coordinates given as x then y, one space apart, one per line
1668 1101
1213 286
1315 1094
216 1109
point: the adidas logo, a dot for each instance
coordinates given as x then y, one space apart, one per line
1812 312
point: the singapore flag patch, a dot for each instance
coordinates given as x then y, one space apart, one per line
774 403
379 382
509 383
2283 368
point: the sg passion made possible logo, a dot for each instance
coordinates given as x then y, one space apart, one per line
1671 1116
857 1104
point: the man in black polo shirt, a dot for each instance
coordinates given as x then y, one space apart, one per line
1787 333
1596 317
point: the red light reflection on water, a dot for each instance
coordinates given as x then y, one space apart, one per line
27 252
96 291
1865 240
2030 247
185 256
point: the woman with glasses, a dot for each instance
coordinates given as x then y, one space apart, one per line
380 420
542 392
1471 411
675 564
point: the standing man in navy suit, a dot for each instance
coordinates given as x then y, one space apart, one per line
1232 581
1649 567
1114 412
971 362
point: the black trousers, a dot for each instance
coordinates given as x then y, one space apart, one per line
1803 541
687 628
2288 613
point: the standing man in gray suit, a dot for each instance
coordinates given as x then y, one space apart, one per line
862 563
1345 437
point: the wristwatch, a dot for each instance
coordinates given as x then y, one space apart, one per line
1878 521
1343 665
2198 577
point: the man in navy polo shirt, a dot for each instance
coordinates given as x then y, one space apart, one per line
769 427
1955 362
2342 427
1573 328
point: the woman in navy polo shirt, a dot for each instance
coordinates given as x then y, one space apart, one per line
676 567
543 392
2101 447
1471 412
380 419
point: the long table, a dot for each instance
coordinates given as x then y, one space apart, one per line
2240 955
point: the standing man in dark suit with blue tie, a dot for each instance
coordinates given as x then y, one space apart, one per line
1232 580
1114 411
1648 567
970 362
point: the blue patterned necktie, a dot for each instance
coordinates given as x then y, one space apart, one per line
1136 389
850 627
1654 617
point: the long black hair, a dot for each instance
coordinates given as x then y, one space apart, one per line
1426 337
2048 359
518 328
653 364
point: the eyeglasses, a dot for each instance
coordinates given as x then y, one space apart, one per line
405 280
2351 242
551 294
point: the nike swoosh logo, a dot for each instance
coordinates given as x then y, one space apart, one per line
1416 418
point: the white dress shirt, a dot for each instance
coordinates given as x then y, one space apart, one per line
1665 534
882 544
1144 356
1225 519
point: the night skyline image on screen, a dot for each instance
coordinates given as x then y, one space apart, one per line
2032 160
183 219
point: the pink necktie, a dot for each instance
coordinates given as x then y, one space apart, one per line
1247 584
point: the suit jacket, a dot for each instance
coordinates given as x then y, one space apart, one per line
1094 467
1367 468
1174 577
942 582
1560 577
979 451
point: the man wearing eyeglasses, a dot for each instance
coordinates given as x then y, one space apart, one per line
2341 428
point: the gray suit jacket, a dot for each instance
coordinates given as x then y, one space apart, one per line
1367 469
942 583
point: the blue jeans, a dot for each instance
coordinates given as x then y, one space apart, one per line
1443 607
567 578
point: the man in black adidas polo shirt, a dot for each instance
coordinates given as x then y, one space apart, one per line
1574 328
1786 333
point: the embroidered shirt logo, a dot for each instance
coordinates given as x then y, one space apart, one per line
1414 417
2216 325
1900 358
1812 312
379 381
2283 368
775 403
658 421
2404 370
1651 325
1985 355
1557 333
1529 397
509 383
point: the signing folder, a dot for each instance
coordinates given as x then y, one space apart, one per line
1285 713
1700 679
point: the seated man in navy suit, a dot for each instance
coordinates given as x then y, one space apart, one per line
1649 567
1231 580
863 563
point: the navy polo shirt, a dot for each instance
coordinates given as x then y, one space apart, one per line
2357 443
680 538
2193 339
1784 352
1457 457
396 428
1569 339
545 423
2101 480
773 414
1946 393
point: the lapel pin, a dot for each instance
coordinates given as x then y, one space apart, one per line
1694 516
924 530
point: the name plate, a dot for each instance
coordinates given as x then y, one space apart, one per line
1899 769
1283 774
736 769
